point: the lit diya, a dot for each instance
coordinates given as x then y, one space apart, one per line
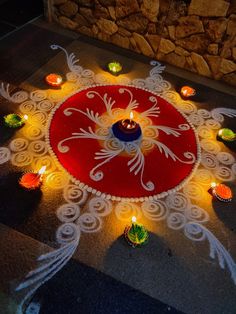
54 80
14 120
187 91
114 67
127 130
31 180
136 235
227 135
222 192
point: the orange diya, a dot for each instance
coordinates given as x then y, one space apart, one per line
222 192
31 180
54 80
187 91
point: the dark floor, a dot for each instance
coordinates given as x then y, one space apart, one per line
15 13
89 291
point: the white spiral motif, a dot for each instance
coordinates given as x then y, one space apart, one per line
62 148
150 132
33 132
46 160
101 79
194 191
196 119
87 73
209 161
38 148
100 207
225 158
205 114
184 127
74 194
19 97
118 114
102 132
19 144
38 95
176 221
171 96
204 176
204 132
21 159
125 210
57 180
139 83
72 77
210 146
177 201
96 176
146 145
154 210
113 144
28 107
188 108
39 117
68 232
68 212
144 121
105 121
130 148
197 214
85 81
194 232
45 105
89 223
5 155
225 174
213 124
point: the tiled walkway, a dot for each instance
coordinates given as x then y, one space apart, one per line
15 13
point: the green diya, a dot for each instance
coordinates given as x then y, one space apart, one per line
13 120
136 234
227 135
114 67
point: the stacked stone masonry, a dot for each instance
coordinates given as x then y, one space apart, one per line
196 35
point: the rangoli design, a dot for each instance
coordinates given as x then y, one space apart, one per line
174 132
89 151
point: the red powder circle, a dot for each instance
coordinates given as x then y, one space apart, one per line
164 172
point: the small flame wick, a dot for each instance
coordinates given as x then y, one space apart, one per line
131 115
133 219
42 170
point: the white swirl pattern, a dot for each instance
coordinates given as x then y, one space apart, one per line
78 214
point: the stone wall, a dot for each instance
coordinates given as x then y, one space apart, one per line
198 35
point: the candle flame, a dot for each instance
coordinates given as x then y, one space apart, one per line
213 185
42 170
25 117
133 219
131 115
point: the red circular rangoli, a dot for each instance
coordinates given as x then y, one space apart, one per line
81 138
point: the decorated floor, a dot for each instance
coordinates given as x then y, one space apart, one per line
173 184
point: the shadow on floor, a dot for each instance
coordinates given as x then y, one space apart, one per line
17 204
82 289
